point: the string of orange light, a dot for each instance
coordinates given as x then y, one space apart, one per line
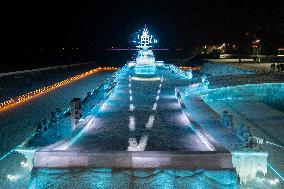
32 94
188 67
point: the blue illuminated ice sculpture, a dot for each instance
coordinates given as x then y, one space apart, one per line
145 60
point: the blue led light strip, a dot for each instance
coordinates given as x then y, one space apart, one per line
277 173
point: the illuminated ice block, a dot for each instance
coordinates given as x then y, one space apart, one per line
247 164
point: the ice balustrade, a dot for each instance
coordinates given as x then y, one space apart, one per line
265 91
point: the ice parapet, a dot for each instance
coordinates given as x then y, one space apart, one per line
247 164
263 91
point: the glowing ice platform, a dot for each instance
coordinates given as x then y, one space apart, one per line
142 125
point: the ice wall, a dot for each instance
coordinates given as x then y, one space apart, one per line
263 91
247 164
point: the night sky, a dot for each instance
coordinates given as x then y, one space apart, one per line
102 24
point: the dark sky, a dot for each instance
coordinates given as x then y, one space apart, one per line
102 23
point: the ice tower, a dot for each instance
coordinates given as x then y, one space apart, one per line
145 60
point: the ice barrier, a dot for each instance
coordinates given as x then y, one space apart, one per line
263 91
248 164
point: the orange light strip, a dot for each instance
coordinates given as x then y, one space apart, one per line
188 67
32 94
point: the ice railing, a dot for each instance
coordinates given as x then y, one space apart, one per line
264 91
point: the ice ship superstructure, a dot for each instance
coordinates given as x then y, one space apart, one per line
145 59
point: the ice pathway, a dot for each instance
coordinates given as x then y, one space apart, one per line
142 115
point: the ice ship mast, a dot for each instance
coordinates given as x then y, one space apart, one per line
145 40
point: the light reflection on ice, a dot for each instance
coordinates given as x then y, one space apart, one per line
158 97
150 122
134 146
131 107
155 106
131 123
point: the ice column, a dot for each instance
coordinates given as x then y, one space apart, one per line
247 164
76 112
